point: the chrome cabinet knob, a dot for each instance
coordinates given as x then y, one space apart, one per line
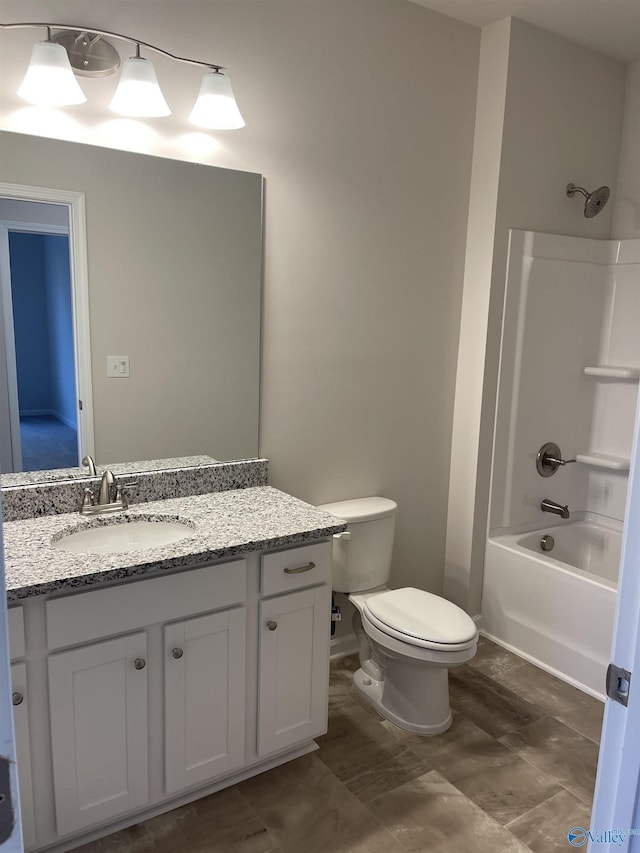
271 625
177 653
140 663
17 698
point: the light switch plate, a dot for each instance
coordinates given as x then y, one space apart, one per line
118 366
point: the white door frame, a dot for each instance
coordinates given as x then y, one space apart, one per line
6 310
615 801
74 201
7 741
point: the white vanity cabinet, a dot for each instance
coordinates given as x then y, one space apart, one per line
294 648
160 690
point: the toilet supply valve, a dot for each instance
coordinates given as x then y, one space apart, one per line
336 615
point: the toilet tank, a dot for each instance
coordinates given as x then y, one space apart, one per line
362 560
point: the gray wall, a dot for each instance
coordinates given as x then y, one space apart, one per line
360 115
626 209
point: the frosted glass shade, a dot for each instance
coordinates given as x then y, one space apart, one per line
49 81
138 93
215 107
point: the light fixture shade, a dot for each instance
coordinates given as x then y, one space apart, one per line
215 107
49 81
138 93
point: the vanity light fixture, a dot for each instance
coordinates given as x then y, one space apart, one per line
138 93
50 79
215 102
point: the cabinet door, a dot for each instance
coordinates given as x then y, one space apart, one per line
23 751
98 703
294 668
204 698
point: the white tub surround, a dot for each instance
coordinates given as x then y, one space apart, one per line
147 679
569 370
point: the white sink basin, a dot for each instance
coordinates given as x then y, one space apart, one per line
123 536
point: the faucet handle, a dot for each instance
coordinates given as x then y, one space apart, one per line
120 487
554 461
88 499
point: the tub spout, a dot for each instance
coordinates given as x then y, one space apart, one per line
552 506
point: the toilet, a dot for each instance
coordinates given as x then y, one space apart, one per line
408 638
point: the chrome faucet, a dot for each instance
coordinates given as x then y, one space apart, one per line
104 493
107 502
88 462
552 506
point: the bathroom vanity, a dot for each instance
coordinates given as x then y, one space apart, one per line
146 679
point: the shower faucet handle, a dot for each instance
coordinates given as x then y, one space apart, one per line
555 461
549 459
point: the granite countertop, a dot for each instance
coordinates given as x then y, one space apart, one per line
25 478
224 524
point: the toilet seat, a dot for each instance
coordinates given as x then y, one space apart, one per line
421 619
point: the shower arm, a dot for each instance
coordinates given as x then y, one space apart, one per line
572 188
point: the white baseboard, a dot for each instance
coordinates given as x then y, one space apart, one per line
64 419
340 647
48 413
35 413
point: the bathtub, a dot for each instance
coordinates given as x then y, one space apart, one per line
555 608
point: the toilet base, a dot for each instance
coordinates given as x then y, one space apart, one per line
373 692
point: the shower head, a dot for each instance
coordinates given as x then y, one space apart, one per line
595 201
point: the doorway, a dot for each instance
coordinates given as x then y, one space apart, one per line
43 340
45 385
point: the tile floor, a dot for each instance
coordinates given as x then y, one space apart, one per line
513 774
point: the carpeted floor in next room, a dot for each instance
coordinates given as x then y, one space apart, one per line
513 774
47 443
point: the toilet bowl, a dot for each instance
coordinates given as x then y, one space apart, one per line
408 638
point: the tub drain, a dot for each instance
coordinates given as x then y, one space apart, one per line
547 542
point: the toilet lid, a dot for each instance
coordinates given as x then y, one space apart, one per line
421 615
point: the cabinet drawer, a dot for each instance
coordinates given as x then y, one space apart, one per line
296 568
16 633
113 610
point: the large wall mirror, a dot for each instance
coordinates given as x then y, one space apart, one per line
173 275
